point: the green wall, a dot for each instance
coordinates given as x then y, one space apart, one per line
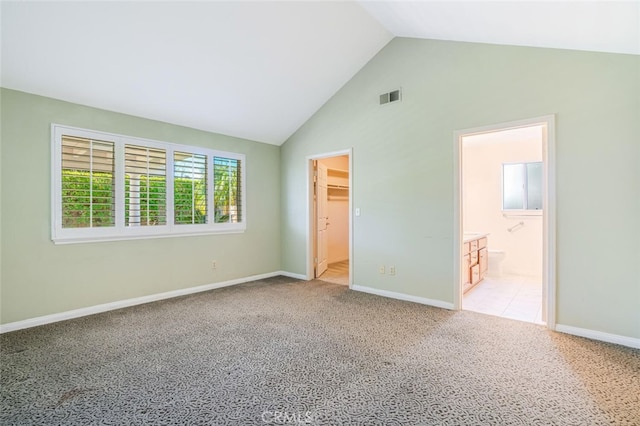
403 162
40 278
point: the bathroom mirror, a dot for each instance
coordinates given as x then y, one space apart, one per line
522 186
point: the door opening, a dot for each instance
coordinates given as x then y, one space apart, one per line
322 217
330 218
504 224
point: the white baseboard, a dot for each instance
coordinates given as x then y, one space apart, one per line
599 335
401 296
76 313
292 275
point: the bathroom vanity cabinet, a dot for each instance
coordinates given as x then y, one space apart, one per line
475 260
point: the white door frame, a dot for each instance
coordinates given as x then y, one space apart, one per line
311 228
548 212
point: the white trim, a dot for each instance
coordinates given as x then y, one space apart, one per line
350 218
292 275
548 212
457 220
631 342
402 296
309 219
77 313
76 240
310 226
549 221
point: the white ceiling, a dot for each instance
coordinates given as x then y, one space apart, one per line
259 70
602 26
253 70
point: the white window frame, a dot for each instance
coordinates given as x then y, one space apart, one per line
524 192
60 235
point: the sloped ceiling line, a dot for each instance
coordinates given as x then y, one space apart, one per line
259 70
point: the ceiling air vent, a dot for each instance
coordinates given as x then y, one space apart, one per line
392 96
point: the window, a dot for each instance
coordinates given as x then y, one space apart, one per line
88 189
111 187
145 186
190 188
227 194
522 186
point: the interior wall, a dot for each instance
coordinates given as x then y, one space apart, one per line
40 278
482 159
403 161
338 228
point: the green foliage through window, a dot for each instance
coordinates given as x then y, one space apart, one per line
113 187
226 197
152 192
190 188
87 199
145 182
88 187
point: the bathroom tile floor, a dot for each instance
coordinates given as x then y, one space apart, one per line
514 297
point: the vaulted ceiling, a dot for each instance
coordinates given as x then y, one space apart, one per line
259 70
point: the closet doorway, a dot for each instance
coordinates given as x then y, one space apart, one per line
330 218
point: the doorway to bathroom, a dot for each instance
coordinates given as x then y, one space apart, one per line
504 224
330 218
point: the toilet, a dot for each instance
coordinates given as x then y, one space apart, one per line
496 258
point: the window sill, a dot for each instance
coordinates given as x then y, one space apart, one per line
520 213
148 236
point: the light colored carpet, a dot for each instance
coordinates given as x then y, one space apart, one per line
337 273
281 351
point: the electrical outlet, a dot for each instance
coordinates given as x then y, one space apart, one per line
214 264
392 270
381 269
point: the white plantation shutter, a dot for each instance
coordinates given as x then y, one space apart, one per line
145 186
112 187
189 188
227 195
88 187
